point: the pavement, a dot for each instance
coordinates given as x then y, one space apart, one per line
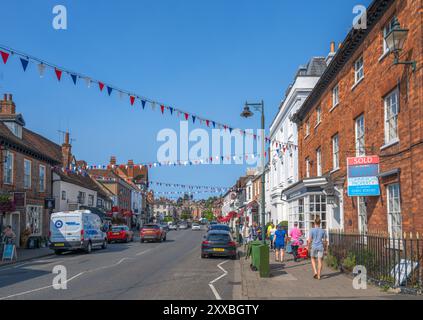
28 254
294 281
170 270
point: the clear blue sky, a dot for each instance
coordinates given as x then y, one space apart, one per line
204 56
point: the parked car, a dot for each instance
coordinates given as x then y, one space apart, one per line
223 227
218 243
152 232
76 230
165 227
173 227
120 233
183 226
196 226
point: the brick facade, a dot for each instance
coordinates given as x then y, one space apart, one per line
402 161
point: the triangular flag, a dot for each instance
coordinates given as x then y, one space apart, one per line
143 102
193 119
101 85
24 63
186 116
214 124
230 130
109 90
73 76
171 110
132 99
58 73
4 56
162 108
88 82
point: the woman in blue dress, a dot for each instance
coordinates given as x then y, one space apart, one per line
279 241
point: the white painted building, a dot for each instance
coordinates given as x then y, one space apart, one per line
283 167
71 191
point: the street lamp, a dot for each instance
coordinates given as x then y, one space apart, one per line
395 40
247 113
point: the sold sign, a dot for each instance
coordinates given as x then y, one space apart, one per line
359 161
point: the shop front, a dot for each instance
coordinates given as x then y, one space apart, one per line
313 198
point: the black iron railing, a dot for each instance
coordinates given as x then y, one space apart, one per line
389 261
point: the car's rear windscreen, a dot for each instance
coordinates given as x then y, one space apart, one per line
219 237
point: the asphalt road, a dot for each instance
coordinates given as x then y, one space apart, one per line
135 271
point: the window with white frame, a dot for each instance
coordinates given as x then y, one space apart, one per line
362 214
394 210
335 96
27 174
335 151
318 115
359 69
360 148
90 200
319 162
391 116
386 30
81 197
42 178
63 195
8 168
307 161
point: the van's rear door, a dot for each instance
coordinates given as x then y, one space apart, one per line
74 226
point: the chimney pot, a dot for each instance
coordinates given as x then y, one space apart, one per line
332 47
67 138
113 160
10 97
5 97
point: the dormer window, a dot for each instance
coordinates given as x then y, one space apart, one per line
15 128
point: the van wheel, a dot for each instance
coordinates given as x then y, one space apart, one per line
58 252
142 240
89 247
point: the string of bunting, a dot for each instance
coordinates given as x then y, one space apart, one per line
42 65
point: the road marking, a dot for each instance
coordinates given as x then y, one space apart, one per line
39 289
142 252
216 294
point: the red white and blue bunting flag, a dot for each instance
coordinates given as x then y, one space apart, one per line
186 186
5 52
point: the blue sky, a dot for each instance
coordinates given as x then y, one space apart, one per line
203 56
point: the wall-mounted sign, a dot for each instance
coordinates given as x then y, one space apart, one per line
20 199
49 203
363 178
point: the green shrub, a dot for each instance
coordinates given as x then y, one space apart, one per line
332 261
349 262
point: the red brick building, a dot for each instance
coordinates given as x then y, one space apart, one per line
366 105
25 173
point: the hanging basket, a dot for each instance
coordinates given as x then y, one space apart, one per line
6 205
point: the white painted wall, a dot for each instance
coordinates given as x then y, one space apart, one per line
72 191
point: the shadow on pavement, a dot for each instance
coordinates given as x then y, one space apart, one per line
13 276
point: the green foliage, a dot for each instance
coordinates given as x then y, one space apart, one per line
208 214
349 262
332 261
167 219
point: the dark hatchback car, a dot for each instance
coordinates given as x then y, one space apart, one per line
218 243
222 227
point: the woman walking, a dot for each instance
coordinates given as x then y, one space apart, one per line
279 243
295 235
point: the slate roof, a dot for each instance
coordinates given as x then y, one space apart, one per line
33 144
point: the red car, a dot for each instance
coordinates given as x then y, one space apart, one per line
120 233
152 232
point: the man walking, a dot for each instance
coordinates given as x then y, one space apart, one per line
318 243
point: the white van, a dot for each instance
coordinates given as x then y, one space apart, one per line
74 230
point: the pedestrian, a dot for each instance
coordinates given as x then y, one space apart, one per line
295 234
269 228
279 243
254 231
318 243
272 236
9 236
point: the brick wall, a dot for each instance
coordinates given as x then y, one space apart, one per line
367 98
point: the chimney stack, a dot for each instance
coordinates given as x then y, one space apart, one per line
7 106
331 53
131 169
113 160
66 152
